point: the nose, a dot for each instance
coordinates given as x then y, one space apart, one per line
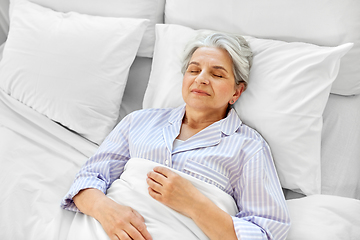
202 78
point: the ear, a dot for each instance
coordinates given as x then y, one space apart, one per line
239 89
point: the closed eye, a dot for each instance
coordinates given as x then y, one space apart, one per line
218 76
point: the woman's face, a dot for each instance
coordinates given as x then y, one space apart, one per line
209 82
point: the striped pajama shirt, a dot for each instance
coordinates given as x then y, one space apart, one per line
227 154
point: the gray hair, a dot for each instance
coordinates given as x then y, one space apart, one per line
236 46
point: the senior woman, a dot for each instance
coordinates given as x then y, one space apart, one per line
206 133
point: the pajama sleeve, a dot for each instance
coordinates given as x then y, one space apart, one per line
262 207
104 167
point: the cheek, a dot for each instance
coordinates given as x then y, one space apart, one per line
225 89
188 80
186 83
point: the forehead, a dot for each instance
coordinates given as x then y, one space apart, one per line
212 56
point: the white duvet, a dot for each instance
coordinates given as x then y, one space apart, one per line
38 162
162 222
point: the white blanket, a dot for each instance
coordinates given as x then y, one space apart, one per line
162 222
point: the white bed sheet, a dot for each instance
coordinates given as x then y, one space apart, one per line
38 161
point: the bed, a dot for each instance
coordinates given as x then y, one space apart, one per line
71 70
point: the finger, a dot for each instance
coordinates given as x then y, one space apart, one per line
155 195
157 177
166 172
153 192
154 186
123 235
139 226
133 233
114 237
138 215
163 171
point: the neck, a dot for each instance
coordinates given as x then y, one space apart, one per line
194 121
201 119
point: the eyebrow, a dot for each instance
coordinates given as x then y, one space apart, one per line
216 67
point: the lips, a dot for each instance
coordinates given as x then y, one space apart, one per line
200 92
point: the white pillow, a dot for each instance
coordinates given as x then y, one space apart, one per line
143 9
320 22
340 151
288 89
68 66
324 217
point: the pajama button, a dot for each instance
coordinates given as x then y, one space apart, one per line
167 162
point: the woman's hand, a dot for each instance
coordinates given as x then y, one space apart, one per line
173 190
119 222
179 194
122 222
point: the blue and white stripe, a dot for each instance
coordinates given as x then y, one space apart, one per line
227 154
